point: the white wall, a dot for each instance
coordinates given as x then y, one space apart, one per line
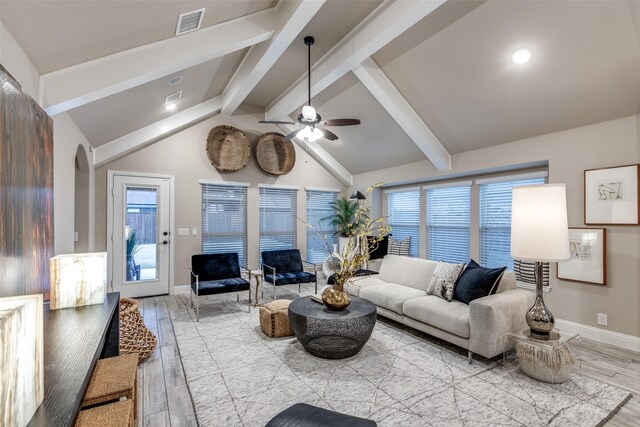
183 156
569 153
66 138
16 62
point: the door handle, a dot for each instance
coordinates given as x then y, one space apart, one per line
166 233
165 242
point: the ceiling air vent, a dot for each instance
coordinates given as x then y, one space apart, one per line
173 98
189 21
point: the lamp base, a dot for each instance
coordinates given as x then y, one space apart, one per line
539 317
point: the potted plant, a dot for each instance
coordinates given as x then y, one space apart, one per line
346 219
133 246
354 254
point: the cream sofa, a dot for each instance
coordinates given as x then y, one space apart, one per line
399 292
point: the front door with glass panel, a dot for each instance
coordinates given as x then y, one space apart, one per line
140 235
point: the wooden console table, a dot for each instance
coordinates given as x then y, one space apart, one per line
74 340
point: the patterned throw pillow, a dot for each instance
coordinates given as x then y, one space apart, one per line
444 280
399 247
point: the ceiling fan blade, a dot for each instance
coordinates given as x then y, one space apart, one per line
341 122
277 122
291 135
329 135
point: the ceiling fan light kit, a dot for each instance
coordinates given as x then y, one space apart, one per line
309 119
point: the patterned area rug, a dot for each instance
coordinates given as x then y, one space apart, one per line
239 377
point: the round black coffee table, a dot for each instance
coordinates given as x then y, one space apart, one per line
332 334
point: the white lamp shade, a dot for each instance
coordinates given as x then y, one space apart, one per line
21 359
78 279
539 229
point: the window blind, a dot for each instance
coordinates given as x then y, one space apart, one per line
278 219
403 212
495 221
448 223
224 220
318 207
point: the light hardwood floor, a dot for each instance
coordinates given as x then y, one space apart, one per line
164 400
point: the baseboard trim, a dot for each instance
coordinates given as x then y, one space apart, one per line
608 337
177 290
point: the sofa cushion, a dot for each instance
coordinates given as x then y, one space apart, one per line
444 279
452 317
507 282
399 247
354 285
284 261
413 272
290 278
477 282
390 295
212 287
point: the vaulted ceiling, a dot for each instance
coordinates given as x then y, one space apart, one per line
427 78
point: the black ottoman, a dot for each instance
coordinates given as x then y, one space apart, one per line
332 279
303 415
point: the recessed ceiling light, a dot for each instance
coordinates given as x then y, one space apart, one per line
522 56
170 101
176 80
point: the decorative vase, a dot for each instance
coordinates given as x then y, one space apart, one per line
131 269
335 298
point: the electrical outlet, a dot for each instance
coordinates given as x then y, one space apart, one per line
194 231
602 319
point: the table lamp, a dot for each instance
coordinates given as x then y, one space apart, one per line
78 279
21 359
539 233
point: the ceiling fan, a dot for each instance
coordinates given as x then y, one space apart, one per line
309 119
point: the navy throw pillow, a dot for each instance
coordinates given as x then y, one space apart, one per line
379 249
477 282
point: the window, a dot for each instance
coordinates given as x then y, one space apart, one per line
278 218
495 221
403 212
318 207
448 223
224 220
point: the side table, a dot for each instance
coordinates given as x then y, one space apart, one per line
258 275
548 360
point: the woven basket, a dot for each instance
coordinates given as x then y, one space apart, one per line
134 335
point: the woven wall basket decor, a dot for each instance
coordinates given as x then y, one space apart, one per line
228 148
274 155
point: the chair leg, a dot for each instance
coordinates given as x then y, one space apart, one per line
469 357
191 296
237 296
274 291
197 308
299 287
249 299
316 284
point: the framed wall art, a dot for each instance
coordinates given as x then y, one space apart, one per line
588 263
611 196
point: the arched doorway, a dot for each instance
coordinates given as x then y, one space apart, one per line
81 217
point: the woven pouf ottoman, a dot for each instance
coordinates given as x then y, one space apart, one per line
274 319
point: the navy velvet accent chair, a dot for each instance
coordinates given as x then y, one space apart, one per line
285 267
213 274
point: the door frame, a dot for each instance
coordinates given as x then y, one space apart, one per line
110 207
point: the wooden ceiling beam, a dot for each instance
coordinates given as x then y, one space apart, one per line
90 81
374 79
385 23
294 17
147 135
